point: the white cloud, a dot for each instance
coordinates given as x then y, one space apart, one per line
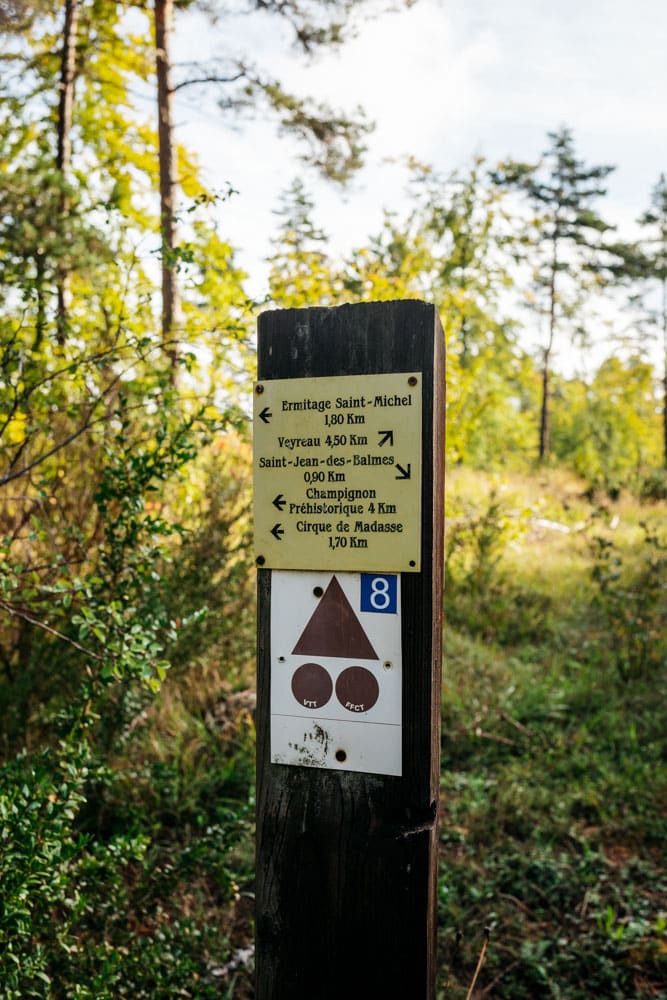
442 81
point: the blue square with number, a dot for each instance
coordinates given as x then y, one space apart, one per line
379 593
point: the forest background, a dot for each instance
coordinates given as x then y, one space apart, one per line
126 578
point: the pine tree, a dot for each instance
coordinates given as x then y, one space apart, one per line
565 244
333 141
301 272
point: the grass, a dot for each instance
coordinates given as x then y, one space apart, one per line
554 786
554 790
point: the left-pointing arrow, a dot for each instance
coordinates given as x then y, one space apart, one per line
279 501
277 531
266 415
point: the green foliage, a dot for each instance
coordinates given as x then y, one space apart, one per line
100 895
479 592
81 568
653 485
127 916
475 545
567 250
553 787
608 429
334 140
110 875
39 802
653 273
447 249
457 246
301 272
208 588
574 928
632 604
126 579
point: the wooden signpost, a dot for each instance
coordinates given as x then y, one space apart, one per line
349 451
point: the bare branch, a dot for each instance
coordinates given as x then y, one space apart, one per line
88 422
43 457
208 79
26 616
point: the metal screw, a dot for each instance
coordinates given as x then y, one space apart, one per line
341 756
412 380
318 591
260 560
259 389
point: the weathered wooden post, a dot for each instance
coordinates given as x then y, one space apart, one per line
349 447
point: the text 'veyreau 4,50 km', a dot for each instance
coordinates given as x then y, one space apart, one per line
338 472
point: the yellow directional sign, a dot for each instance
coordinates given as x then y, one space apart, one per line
337 472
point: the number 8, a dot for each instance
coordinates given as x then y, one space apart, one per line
380 597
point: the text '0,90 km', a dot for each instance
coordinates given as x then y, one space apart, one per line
337 470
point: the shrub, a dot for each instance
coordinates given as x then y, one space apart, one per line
653 486
478 595
632 606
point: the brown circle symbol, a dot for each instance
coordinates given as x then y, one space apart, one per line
357 689
312 685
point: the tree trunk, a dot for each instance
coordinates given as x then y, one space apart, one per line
545 415
64 149
544 410
664 371
40 319
164 11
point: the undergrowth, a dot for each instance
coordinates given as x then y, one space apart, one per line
127 865
554 789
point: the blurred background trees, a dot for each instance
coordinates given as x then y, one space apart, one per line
126 356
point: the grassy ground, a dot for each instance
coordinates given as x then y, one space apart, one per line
554 786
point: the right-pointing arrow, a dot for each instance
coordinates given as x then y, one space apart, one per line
386 436
404 473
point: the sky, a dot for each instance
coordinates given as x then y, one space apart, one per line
443 81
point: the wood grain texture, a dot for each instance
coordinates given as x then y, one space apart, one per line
347 862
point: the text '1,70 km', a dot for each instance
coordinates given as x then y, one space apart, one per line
338 472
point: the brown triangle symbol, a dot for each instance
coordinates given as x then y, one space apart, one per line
334 629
